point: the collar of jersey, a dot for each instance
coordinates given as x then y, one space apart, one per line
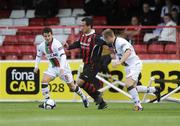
92 32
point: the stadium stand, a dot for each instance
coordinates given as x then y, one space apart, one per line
70 14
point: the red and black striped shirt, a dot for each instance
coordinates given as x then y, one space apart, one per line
87 43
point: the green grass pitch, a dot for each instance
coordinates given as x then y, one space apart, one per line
74 114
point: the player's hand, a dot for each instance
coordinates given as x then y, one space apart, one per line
66 45
35 70
61 71
116 63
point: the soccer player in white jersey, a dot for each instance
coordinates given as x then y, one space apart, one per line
133 65
58 65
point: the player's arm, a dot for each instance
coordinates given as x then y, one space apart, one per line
99 40
61 56
38 58
75 45
123 58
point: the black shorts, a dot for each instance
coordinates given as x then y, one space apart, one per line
89 72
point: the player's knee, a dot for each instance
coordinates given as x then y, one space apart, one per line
72 87
80 82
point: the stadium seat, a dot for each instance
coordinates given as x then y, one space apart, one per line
77 12
140 49
27 57
170 48
1 40
24 32
26 39
163 56
6 22
30 14
52 21
11 57
77 4
155 48
2 51
27 50
99 20
144 56
67 31
78 20
61 38
64 13
36 22
10 40
13 50
17 14
4 13
38 39
36 31
8 31
57 31
21 22
67 21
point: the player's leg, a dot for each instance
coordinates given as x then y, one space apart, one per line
132 74
68 78
130 84
93 92
145 89
44 87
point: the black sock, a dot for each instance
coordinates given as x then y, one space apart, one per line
91 90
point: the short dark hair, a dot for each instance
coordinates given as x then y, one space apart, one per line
89 21
47 30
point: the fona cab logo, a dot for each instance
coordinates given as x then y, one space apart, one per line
22 80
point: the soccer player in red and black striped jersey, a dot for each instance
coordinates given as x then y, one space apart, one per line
91 47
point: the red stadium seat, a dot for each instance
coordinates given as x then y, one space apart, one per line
156 48
11 57
13 50
2 50
144 56
52 21
170 48
24 32
4 13
27 57
27 50
99 20
140 49
10 40
163 56
36 31
26 39
36 22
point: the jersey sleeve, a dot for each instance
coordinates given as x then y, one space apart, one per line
99 40
124 45
75 45
61 56
38 55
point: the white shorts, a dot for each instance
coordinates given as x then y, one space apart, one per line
133 71
55 72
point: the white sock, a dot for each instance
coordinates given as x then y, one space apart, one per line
145 89
133 92
45 91
80 93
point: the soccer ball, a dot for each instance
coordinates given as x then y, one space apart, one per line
49 104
